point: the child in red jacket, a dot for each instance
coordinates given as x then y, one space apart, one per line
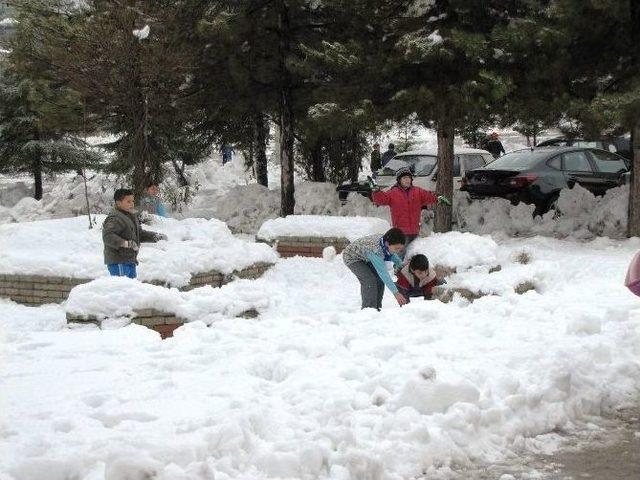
417 278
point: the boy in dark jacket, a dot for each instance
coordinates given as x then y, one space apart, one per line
122 235
417 279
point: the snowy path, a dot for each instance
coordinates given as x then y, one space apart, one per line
316 388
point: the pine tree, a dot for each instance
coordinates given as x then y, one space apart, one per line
445 73
130 62
261 66
40 121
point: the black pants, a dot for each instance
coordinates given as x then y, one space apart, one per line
371 287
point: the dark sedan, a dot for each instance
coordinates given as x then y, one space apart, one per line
620 145
536 176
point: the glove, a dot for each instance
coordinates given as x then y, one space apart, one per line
442 200
161 236
372 184
131 245
441 281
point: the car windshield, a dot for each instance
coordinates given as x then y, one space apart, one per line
517 160
419 164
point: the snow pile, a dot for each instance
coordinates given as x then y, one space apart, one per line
317 388
578 214
113 297
244 208
215 184
456 250
350 228
66 247
11 192
63 198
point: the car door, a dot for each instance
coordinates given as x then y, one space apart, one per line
578 169
610 166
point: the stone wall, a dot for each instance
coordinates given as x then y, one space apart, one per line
307 246
41 289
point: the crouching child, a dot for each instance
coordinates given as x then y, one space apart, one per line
417 278
122 235
366 258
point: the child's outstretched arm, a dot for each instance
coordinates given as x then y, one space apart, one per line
379 197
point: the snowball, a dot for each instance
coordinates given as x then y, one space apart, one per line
329 253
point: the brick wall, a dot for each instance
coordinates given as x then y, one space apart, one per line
41 289
162 322
37 289
308 246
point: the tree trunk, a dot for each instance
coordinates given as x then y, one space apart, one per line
37 177
285 113
317 165
355 163
183 181
633 225
444 183
138 158
261 137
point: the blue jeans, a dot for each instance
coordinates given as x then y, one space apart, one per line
122 269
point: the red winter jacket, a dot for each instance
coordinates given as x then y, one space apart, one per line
406 206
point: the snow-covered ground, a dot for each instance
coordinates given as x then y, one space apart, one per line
316 388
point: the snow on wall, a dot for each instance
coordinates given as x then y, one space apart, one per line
66 247
112 297
350 228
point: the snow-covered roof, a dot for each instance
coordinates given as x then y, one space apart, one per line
434 152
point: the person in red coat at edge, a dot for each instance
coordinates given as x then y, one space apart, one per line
406 202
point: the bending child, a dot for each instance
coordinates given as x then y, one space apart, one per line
365 257
122 234
417 279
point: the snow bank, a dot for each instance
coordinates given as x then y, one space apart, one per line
113 297
65 197
244 208
11 192
578 214
66 247
321 226
456 249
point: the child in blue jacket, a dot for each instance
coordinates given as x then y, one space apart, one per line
366 258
